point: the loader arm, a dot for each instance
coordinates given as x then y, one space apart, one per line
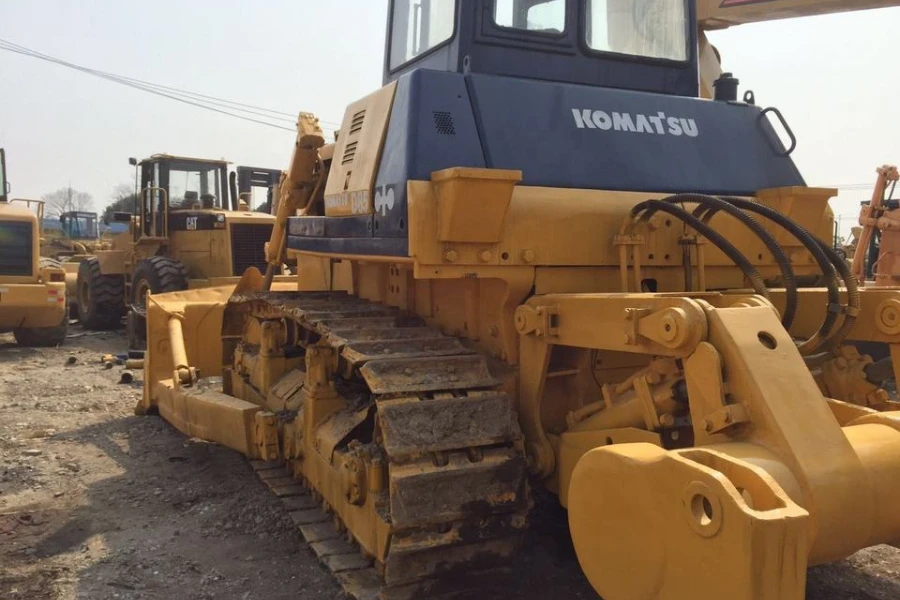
297 187
718 14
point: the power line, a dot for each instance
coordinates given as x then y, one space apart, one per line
179 95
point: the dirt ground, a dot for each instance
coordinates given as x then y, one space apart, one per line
96 503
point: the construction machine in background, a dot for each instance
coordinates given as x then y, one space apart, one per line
250 179
79 235
187 231
538 258
32 289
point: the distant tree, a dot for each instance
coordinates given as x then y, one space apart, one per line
123 201
66 200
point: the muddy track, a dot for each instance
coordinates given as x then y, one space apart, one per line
98 504
423 411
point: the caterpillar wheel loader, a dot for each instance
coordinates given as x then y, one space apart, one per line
79 235
78 239
32 289
188 230
538 257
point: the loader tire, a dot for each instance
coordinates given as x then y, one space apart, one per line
101 298
43 337
156 275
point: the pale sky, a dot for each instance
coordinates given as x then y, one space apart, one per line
833 77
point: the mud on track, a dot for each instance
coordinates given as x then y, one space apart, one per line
96 503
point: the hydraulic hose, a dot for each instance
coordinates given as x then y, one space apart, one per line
710 205
853 297
750 272
829 262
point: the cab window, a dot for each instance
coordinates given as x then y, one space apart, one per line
544 16
194 186
646 28
418 26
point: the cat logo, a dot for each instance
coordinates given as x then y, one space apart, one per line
192 223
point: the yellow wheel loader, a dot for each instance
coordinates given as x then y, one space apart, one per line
78 237
188 230
32 289
539 258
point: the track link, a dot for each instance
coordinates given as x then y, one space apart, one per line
457 495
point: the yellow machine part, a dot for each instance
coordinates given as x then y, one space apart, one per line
703 448
35 300
32 305
783 487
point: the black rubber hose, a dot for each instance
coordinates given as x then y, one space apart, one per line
828 261
710 205
853 297
651 206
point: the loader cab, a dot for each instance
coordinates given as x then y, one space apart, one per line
78 225
643 45
255 187
172 184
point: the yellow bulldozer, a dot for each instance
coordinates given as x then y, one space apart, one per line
539 257
189 229
32 289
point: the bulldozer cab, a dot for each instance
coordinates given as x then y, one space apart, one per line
77 225
171 183
646 45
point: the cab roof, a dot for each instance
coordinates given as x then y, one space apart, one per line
210 161
17 211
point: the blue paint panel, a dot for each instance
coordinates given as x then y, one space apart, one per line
370 246
306 226
529 125
441 120
432 127
356 226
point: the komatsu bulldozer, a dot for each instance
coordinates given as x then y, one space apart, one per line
540 258
187 231
32 289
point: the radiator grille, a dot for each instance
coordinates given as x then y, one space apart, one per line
15 248
443 122
247 246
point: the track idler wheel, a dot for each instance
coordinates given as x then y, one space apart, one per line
654 524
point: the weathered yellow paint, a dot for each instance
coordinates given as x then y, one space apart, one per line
695 448
35 303
351 184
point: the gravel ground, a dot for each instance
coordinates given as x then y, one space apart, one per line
96 503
